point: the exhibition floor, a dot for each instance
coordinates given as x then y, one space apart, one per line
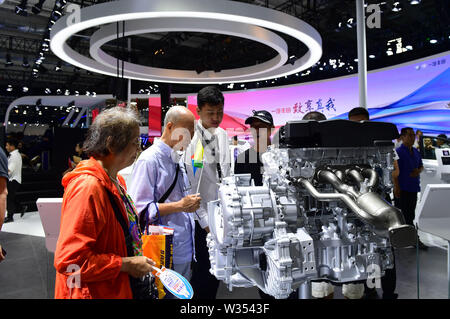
28 269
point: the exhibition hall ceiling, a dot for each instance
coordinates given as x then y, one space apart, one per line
408 30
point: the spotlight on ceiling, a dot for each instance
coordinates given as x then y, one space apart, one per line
292 59
47 91
36 9
25 62
397 7
414 2
9 88
58 67
350 22
47 37
60 3
8 60
55 16
433 41
25 89
21 9
372 56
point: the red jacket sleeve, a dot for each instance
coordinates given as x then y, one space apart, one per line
82 221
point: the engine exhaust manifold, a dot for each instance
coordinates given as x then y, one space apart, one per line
387 220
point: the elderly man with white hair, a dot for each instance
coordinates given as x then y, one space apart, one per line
160 188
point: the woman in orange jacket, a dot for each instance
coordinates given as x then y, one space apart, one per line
91 257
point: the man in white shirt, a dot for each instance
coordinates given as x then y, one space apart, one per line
15 179
204 180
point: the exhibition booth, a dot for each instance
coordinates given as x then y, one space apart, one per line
326 213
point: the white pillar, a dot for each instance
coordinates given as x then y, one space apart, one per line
362 55
129 80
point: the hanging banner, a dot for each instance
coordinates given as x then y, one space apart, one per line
154 117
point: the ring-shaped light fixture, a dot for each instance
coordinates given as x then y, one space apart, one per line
220 10
255 33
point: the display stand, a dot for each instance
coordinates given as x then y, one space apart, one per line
50 213
434 216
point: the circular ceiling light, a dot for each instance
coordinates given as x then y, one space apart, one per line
143 26
219 11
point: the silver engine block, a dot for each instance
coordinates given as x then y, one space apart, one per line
320 215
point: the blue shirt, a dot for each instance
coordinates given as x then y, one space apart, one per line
152 175
407 162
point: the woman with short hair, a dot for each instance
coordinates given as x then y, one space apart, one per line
93 259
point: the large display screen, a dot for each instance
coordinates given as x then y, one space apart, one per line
415 94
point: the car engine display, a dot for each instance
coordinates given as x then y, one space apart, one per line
321 213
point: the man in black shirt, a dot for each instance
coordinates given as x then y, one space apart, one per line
261 125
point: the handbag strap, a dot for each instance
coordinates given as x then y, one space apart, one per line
123 224
170 189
